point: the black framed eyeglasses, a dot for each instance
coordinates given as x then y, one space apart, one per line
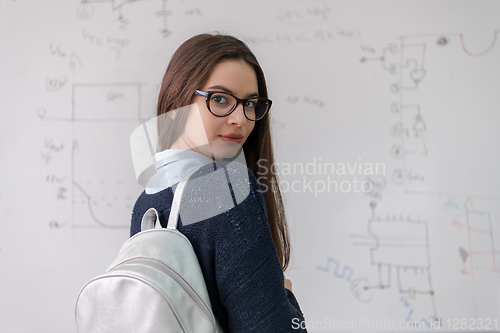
222 104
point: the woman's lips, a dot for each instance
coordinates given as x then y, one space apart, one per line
228 139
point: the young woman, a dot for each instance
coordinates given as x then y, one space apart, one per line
214 100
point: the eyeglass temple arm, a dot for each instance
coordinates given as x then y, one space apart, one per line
201 93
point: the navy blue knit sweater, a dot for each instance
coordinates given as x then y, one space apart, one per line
234 247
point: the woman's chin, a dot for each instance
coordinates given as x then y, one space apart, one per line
225 150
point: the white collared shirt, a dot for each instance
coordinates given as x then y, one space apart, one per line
171 165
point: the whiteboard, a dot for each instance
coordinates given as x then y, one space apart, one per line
385 121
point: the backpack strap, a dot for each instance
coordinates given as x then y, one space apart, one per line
151 218
176 202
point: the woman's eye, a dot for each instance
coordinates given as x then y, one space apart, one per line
219 99
250 104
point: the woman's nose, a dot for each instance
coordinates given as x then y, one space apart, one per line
238 115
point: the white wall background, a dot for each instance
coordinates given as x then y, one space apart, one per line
410 85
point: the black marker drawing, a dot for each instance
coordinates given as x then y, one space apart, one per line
103 115
86 10
400 245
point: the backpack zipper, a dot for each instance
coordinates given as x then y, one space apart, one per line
179 279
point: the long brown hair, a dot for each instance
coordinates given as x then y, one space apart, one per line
190 67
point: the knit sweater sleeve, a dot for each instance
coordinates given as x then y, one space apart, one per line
248 271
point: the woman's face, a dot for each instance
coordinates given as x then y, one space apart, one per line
205 132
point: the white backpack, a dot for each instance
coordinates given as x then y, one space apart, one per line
154 285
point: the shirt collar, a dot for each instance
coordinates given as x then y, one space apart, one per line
171 165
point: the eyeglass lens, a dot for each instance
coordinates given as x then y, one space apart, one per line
221 103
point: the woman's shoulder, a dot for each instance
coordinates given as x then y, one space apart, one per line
225 191
224 200
222 194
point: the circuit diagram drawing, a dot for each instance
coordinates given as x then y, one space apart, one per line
418 63
85 11
431 81
99 185
478 254
399 246
357 285
407 61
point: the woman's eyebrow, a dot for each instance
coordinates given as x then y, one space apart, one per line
230 92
